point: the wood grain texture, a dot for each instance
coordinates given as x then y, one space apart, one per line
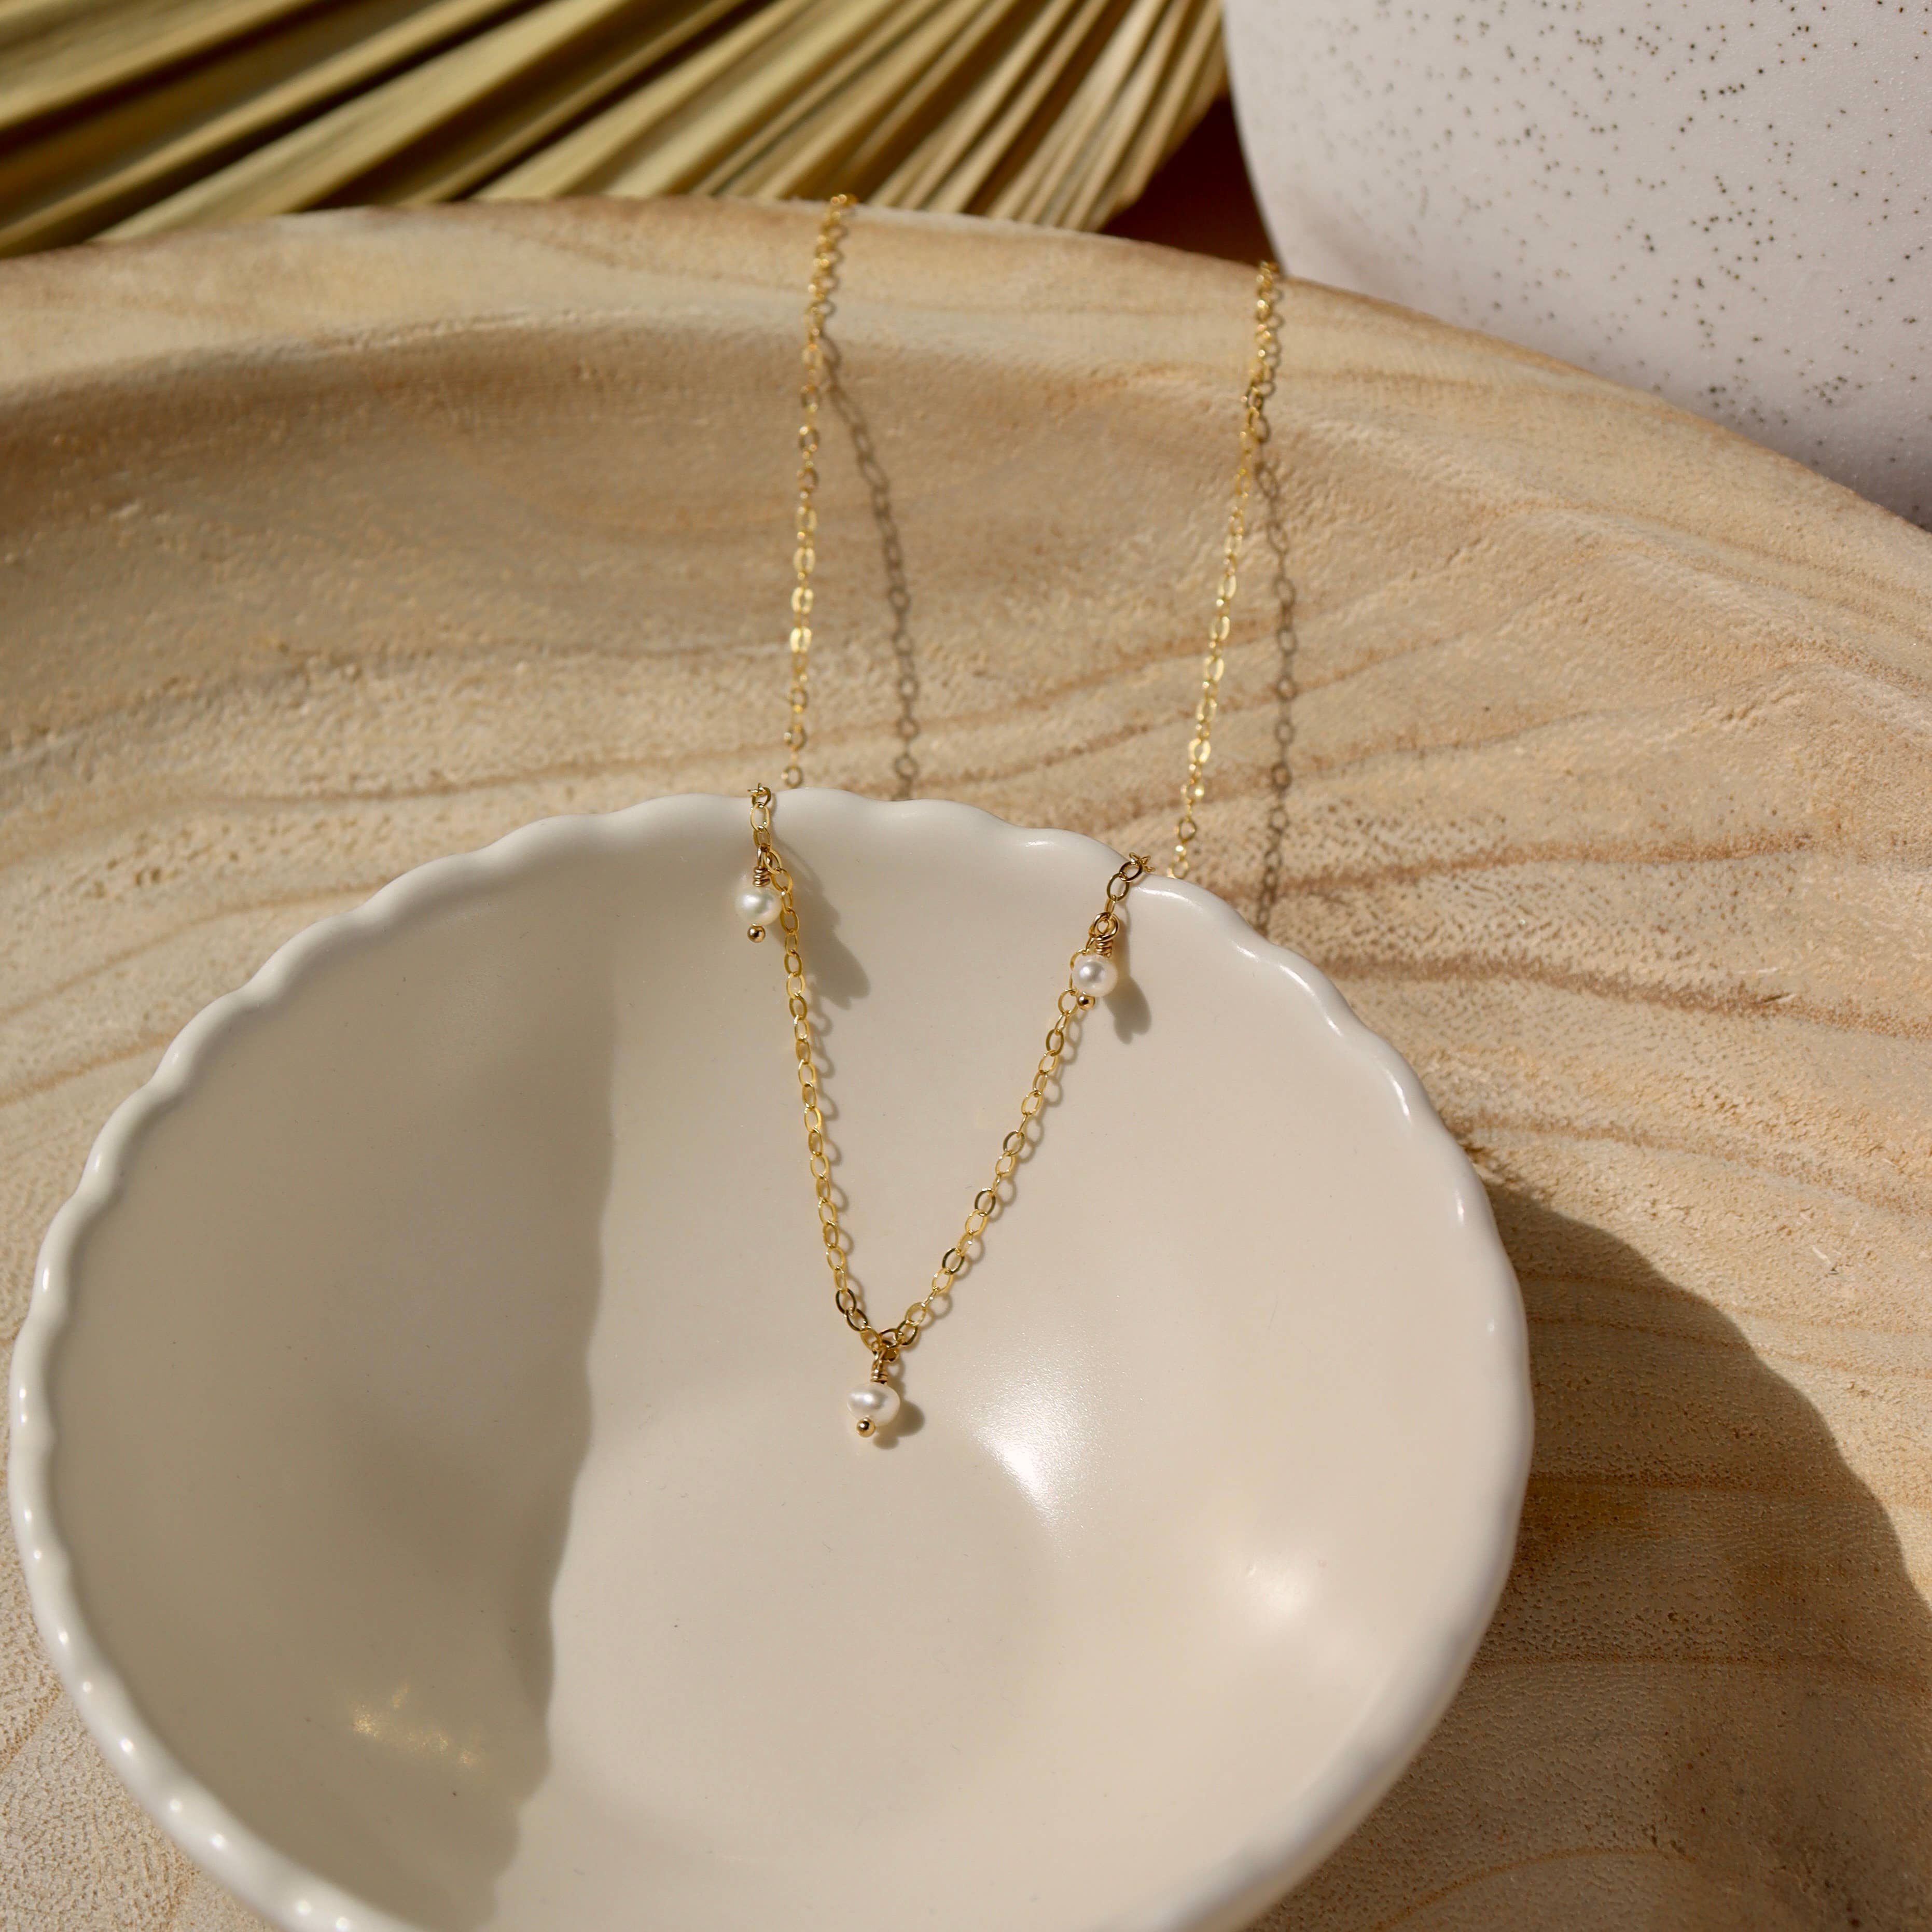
336 544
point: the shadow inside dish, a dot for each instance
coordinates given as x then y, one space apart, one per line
326 1473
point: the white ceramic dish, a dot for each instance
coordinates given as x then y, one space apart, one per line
429 1452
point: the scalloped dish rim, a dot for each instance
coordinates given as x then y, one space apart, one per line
1219 1897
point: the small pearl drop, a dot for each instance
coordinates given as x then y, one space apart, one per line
1095 975
877 1403
758 905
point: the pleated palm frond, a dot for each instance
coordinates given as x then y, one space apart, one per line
136 117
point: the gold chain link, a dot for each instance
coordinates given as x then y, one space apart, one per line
1200 746
804 544
769 869
804 552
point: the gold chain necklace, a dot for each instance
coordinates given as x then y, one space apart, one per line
766 897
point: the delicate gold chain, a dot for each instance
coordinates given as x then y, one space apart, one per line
804 552
1090 967
770 870
805 546
1200 748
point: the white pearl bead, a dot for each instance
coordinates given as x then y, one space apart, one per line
875 1402
1095 975
758 905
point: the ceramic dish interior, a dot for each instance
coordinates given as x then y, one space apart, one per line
430 1454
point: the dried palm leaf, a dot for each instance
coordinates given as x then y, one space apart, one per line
137 117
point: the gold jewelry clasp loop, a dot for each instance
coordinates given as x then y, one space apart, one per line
1105 930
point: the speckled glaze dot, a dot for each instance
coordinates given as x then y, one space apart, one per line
1728 203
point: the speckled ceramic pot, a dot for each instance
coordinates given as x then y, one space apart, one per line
1728 204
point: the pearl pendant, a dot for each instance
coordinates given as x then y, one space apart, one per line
1095 975
758 905
874 1404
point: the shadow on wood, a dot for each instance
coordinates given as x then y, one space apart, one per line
1761 1683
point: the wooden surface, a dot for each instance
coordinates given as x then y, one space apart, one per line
334 544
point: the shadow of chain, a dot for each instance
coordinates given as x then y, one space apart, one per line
898 596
